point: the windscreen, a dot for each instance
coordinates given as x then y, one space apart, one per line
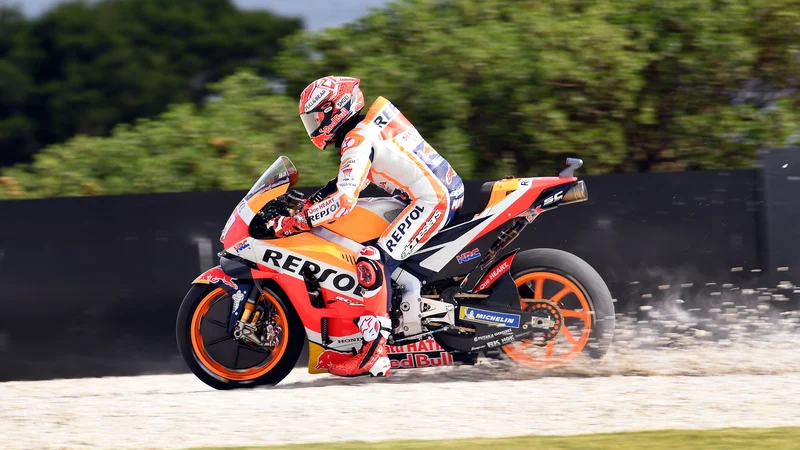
281 172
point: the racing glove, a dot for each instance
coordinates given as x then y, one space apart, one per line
287 226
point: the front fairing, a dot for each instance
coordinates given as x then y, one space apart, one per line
274 182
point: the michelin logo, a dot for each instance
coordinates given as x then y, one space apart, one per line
488 317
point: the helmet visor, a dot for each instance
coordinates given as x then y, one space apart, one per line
312 121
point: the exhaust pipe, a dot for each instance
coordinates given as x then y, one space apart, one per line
575 194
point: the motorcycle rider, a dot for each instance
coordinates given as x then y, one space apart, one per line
384 148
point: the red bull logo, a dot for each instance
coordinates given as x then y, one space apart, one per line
417 360
330 357
427 353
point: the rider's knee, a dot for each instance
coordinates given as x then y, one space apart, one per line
370 271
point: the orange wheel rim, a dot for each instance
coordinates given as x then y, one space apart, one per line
575 331
201 348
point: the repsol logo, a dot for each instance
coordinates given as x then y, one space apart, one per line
293 264
404 226
385 116
322 210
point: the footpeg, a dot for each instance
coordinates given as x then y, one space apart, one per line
435 311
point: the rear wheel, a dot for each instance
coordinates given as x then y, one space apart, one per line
582 297
223 362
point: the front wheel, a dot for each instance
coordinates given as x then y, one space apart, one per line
223 362
581 295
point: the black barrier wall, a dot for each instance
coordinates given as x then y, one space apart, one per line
780 171
91 286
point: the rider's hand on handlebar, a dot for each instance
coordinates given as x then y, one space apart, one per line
287 226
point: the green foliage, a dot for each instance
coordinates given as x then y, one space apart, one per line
634 85
496 86
85 67
224 146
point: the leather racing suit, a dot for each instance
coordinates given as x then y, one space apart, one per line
384 148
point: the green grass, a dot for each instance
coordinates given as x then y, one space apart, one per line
729 438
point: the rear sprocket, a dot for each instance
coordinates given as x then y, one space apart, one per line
547 320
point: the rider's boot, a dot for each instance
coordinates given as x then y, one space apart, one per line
373 357
376 326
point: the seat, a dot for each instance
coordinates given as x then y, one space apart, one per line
470 208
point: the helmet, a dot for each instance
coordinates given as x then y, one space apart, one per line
326 104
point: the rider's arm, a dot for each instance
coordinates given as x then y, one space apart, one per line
355 163
325 192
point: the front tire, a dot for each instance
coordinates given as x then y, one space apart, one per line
223 362
582 296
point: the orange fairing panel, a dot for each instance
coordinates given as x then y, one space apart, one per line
316 248
501 190
258 201
360 225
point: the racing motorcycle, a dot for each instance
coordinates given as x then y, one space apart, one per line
463 294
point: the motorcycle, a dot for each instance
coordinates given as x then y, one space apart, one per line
246 321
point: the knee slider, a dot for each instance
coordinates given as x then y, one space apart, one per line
370 273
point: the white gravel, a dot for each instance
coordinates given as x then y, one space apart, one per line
178 411
660 375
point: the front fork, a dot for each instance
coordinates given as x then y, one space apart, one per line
243 322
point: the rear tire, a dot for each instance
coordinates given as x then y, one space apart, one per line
580 288
220 375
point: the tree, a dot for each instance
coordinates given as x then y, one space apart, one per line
224 146
498 87
638 85
17 141
83 68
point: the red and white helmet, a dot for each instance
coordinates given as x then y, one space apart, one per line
326 104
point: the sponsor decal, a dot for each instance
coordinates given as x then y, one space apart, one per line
492 276
213 279
428 345
241 246
327 278
417 360
241 206
450 174
403 227
343 101
425 228
330 357
553 198
368 251
458 192
322 209
492 335
488 317
316 98
468 256
237 299
524 182
500 342
334 121
346 171
385 116
352 140
348 340
410 137
349 301
427 353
